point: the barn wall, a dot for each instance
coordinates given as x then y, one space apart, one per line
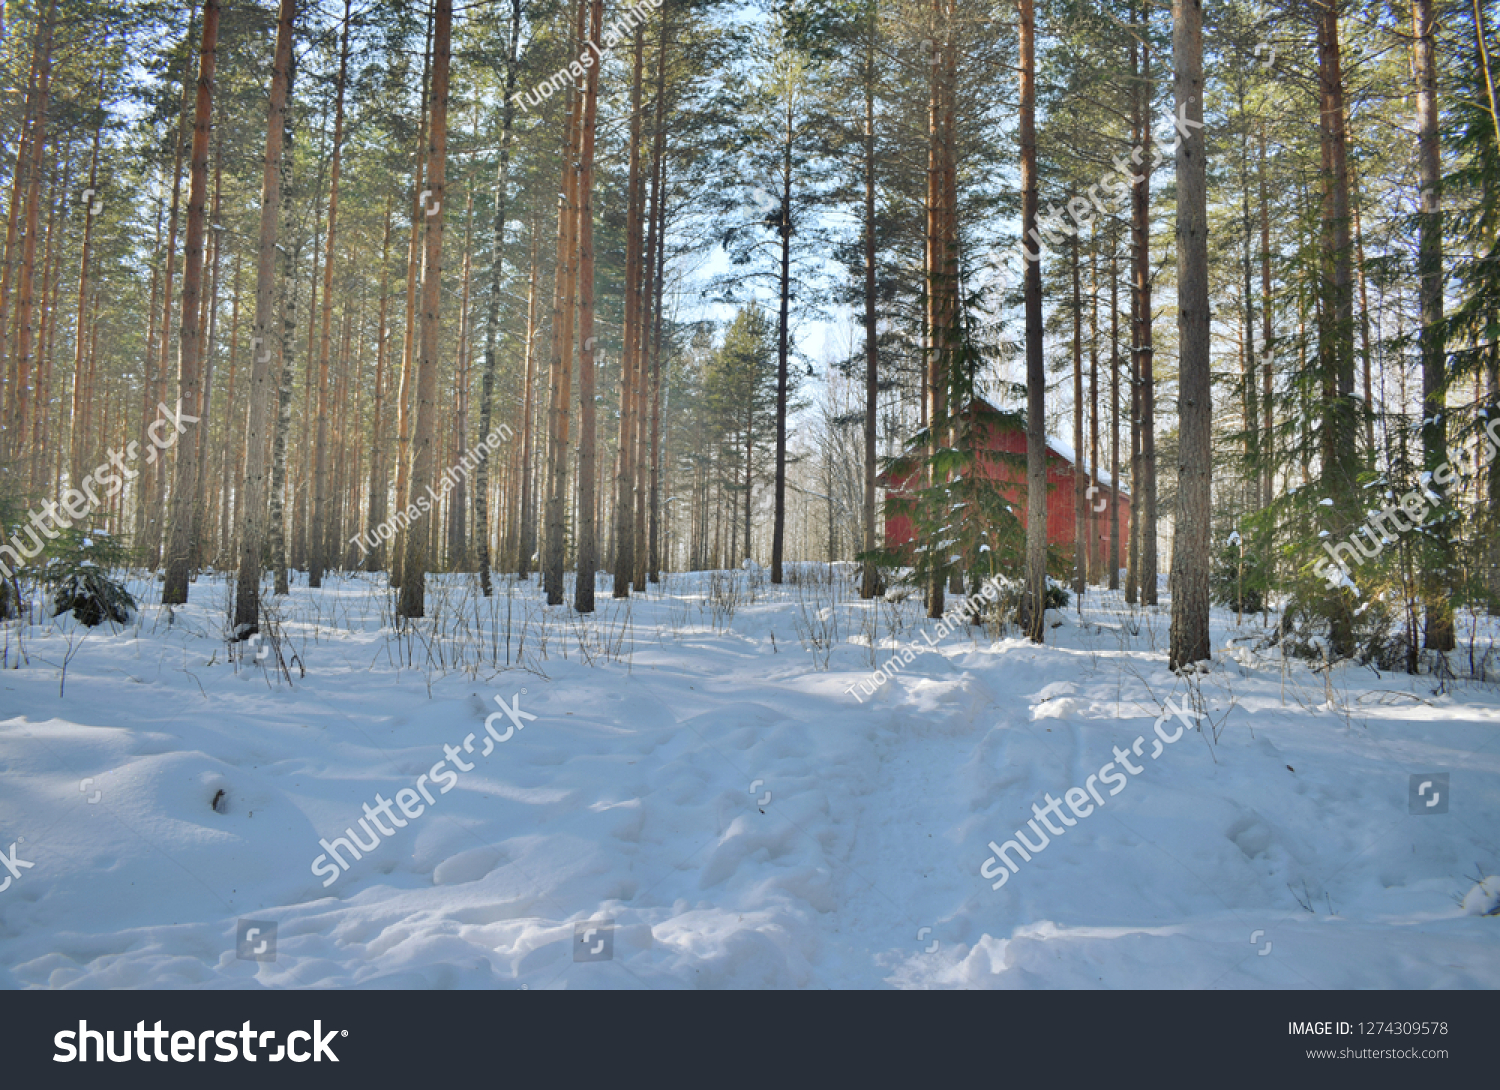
898 528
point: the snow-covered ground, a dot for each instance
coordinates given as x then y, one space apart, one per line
704 772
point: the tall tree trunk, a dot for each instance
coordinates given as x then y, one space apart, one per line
41 477
1080 538
82 394
180 543
650 314
203 509
412 601
622 523
1267 370
457 502
749 483
565 272
1492 361
1437 571
783 322
379 478
290 253
302 475
1137 503
230 452
252 504
25 293
409 331
154 537
1191 535
319 527
1036 367
939 284
871 577
527 544
1114 415
1249 362
588 552
653 496
1092 514
1145 349
19 189
1340 446
492 312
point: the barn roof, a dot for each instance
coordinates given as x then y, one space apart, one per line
1012 419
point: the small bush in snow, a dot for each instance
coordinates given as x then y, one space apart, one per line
77 578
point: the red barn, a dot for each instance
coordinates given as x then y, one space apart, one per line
1000 433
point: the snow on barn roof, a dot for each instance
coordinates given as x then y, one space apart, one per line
1065 451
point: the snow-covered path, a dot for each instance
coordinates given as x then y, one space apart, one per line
736 812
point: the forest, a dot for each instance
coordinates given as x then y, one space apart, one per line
1259 240
933 385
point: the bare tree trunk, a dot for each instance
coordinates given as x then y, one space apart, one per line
1492 363
783 322
412 602
152 543
1080 538
302 475
25 301
492 312
871 577
1137 504
935 287
41 476
1267 376
203 509
1114 415
1340 455
1437 570
650 313
139 501
527 543
622 523
180 543
1036 368
409 336
749 484
1146 377
19 188
1249 363
554 553
583 596
456 547
379 481
290 253
81 391
1190 538
319 528
1092 514
230 467
252 503
653 498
